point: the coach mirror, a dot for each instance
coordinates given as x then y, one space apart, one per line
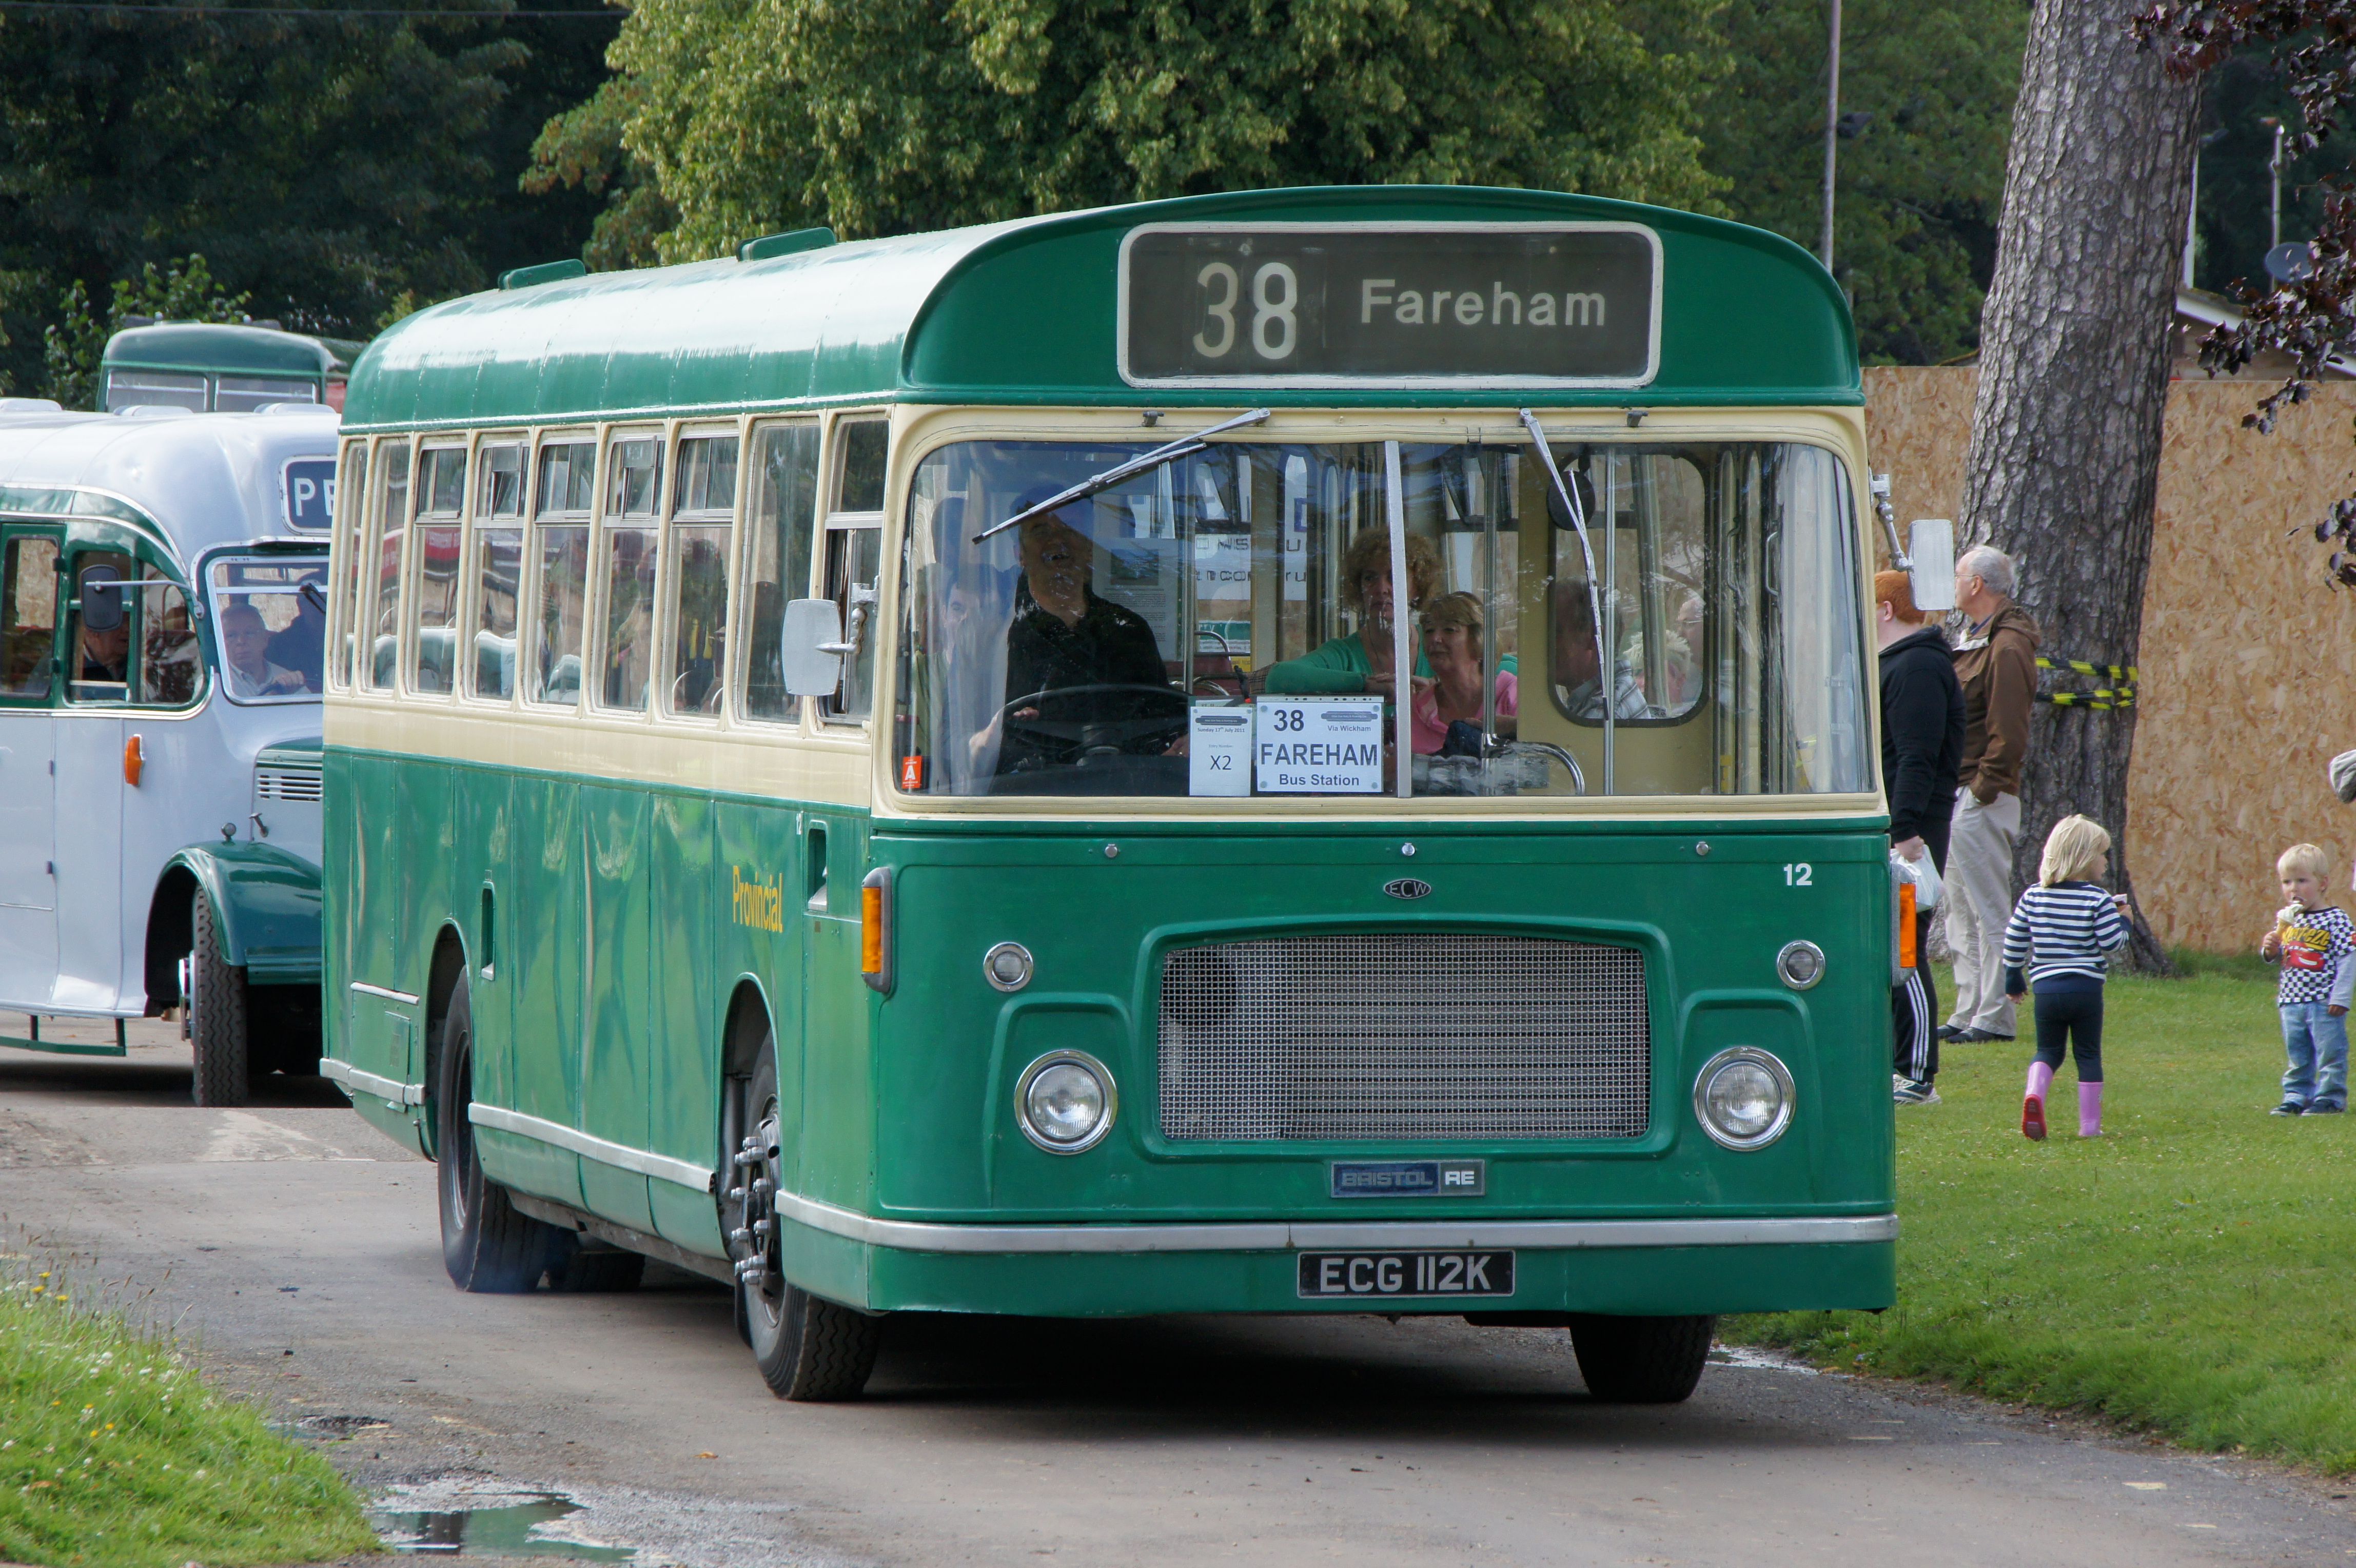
101 599
810 648
1931 564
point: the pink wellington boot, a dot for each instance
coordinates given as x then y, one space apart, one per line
2033 1107
2090 1110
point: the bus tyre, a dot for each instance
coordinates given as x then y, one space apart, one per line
216 1014
808 1348
1641 1360
487 1245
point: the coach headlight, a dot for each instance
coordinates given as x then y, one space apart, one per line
1743 1098
1066 1101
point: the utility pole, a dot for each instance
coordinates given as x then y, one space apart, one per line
1832 132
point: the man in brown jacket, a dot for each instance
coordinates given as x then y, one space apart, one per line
1995 660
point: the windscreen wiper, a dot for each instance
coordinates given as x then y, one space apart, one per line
1185 447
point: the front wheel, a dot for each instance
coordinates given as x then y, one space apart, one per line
1641 1360
488 1244
218 1014
808 1348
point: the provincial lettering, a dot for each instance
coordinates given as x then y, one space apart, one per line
760 906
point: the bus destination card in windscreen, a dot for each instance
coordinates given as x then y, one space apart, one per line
1331 306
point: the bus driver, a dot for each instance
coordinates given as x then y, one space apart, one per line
1066 636
245 644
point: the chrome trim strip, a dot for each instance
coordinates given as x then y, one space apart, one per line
401 996
662 1167
391 1090
1557 1235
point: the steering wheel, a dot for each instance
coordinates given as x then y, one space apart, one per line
1078 740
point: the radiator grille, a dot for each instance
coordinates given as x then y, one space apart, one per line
1403 1036
287 784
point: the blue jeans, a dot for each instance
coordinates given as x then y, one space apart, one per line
2316 1043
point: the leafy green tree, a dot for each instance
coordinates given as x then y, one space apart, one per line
181 291
1927 88
322 165
892 115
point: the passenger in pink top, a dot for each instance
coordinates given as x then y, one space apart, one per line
1451 643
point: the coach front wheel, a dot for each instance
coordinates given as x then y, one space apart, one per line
218 1012
808 1348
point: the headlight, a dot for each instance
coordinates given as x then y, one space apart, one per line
1743 1098
1066 1101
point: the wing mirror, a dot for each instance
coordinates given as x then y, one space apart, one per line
1931 564
810 648
101 599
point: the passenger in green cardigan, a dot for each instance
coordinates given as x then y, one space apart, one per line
1349 664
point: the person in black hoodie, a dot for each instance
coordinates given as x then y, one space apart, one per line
1922 754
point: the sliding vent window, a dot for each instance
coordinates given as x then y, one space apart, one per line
630 557
780 516
498 570
699 537
383 624
441 493
567 486
351 506
171 669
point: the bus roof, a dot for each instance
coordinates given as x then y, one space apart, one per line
203 480
1025 312
225 348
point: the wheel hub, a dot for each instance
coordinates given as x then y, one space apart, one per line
754 1240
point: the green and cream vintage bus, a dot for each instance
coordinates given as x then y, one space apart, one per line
877 772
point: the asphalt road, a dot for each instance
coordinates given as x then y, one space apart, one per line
297 1250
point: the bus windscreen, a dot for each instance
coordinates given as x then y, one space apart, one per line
270 625
1222 625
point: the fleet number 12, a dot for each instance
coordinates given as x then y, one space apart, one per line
1799 873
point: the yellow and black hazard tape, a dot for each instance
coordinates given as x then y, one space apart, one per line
2120 693
2125 672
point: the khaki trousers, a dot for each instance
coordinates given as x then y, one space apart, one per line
1979 906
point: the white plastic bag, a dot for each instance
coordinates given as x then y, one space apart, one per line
1924 874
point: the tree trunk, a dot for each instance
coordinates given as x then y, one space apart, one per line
2074 351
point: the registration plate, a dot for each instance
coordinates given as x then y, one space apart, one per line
1389 1276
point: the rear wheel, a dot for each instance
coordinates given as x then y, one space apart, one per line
1641 1360
488 1244
808 1348
216 1014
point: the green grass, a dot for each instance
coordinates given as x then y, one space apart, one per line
113 1453
2187 1275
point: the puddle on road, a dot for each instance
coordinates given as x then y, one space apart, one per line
529 1527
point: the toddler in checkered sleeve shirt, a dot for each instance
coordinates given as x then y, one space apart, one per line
2316 944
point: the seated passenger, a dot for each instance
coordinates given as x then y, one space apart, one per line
1577 662
105 654
244 639
1452 628
1361 660
1064 636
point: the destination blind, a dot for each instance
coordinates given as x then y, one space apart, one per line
1308 305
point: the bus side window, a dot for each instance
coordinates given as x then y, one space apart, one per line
28 618
170 668
98 644
854 557
633 491
704 502
567 485
351 509
382 627
498 570
780 515
441 495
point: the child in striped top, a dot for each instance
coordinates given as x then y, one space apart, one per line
2060 931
